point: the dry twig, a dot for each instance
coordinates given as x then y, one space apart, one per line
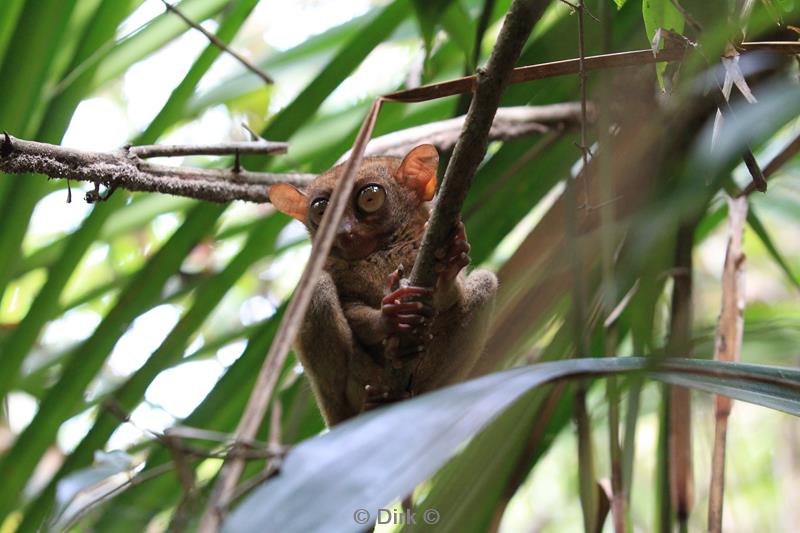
727 347
509 123
120 170
221 45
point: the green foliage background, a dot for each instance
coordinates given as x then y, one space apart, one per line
207 261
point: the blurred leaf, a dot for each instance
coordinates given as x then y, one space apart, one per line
429 13
661 14
461 29
88 358
158 32
755 224
127 396
220 411
9 13
366 462
106 465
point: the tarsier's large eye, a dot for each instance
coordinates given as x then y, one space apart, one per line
317 209
371 198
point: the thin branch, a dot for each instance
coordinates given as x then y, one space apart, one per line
669 53
509 123
130 482
584 147
727 347
783 157
586 470
117 170
258 147
221 45
680 412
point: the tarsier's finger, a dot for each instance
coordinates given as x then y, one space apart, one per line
402 292
406 308
392 281
407 319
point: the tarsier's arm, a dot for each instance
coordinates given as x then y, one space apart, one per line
450 335
324 346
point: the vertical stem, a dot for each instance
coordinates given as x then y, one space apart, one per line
680 413
588 486
617 490
608 288
663 508
588 491
728 346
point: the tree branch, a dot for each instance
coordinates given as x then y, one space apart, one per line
120 170
258 147
468 153
509 123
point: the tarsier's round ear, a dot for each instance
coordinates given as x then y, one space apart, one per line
418 171
290 200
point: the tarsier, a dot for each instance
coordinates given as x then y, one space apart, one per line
360 305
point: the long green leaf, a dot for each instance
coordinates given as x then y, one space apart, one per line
220 411
9 13
87 359
153 37
173 110
367 462
128 395
59 113
759 229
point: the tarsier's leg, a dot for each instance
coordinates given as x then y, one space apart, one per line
324 346
459 333
463 305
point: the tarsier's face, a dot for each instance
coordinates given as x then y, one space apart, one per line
386 192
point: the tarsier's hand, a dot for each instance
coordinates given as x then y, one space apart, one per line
406 313
453 257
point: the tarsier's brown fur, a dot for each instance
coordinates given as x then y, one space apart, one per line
341 343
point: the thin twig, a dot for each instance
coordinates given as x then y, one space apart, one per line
680 413
509 123
117 170
669 53
783 157
131 482
258 147
584 147
727 347
221 45
586 471
186 476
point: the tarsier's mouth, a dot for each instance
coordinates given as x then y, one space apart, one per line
352 246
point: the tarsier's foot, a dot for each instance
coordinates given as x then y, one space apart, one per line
406 320
378 396
454 257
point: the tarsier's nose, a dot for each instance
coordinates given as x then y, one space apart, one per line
345 231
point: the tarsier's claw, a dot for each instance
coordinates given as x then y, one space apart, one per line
456 256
